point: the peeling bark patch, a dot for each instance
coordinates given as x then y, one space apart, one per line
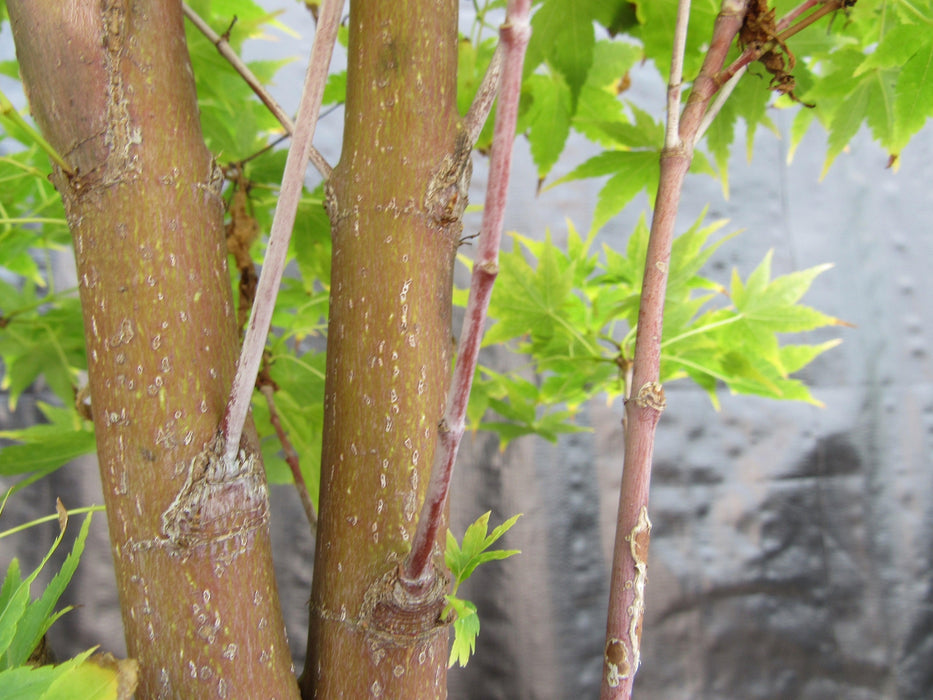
122 134
617 663
638 540
213 186
651 395
220 506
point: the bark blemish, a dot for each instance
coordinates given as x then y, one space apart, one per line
392 615
220 506
638 540
446 194
122 133
617 663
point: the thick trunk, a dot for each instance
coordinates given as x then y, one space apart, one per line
110 85
395 201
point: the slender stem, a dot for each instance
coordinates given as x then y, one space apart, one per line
291 457
282 223
485 96
785 32
702 329
828 8
622 653
50 518
9 111
31 220
514 35
715 108
677 73
223 46
802 8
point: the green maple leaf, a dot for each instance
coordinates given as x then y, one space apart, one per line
913 102
462 560
657 19
766 307
631 172
466 629
547 119
47 446
563 36
527 300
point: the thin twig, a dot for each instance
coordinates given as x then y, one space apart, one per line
9 111
785 31
828 8
514 34
716 107
622 652
223 46
802 8
485 97
282 223
291 457
675 83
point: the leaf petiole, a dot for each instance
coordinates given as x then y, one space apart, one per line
9 111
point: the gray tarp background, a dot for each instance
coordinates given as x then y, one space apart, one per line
792 546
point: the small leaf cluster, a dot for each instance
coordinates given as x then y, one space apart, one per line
41 330
462 560
575 314
23 623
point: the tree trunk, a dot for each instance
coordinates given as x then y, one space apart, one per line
110 86
395 202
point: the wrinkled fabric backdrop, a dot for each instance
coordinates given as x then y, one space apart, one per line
792 545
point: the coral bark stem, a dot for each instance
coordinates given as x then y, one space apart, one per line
646 403
514 35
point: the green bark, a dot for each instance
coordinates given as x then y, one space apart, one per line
110 86
395 202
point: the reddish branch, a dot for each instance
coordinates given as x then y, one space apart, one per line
282 223
514 34
785 30
643 409
761 50
291 457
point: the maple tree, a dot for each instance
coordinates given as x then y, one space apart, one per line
368 431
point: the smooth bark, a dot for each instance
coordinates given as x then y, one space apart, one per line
514 36
622 652
395 201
